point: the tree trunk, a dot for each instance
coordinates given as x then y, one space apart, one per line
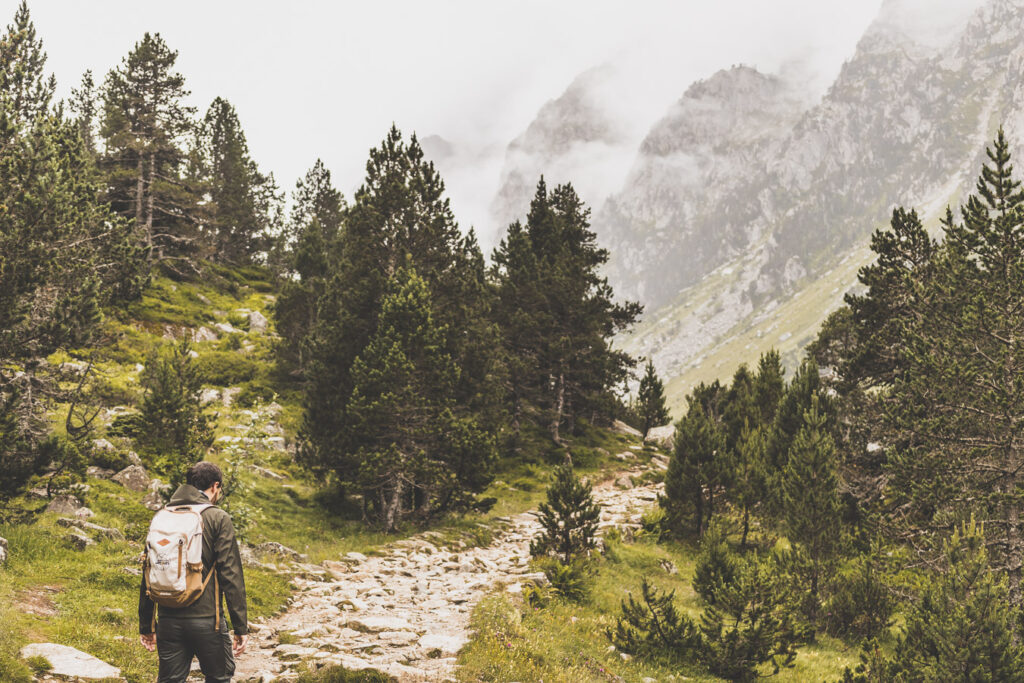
746 527
140 184
1013 543
149 199
556 421
394 507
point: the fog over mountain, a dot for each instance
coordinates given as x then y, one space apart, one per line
749 192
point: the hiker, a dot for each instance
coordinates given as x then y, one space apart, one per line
187 580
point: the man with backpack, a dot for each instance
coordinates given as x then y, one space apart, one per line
191 559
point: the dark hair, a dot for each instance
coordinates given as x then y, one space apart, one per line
203 475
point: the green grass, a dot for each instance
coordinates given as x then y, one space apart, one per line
566 642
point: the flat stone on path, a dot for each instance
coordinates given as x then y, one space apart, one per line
372 624
71 663
446 645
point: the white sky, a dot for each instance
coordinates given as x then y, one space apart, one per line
319 79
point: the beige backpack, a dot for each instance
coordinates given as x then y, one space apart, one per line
172 565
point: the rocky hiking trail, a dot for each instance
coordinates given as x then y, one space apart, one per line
406 610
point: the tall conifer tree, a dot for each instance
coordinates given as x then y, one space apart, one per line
144 124
650 400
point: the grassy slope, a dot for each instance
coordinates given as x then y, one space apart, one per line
788 327
88 599
566 643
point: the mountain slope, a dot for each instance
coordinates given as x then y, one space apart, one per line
903 124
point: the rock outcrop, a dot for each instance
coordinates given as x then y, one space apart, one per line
70 663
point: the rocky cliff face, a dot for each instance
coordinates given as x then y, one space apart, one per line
570 137
764 200
698 188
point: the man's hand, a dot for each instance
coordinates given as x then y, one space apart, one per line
148 640
240 643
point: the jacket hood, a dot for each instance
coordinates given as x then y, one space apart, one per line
188 495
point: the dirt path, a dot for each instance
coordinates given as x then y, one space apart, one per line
406 612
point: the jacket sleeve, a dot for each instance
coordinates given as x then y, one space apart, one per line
146 608
229 575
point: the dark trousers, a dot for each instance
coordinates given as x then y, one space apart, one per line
178 639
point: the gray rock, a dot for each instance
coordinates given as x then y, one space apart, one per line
3 550
209 396
624 482
277 443
103 445
204 334
84 513
134 458
664 437
153 501
293 652
257 322
439 644
64 504
625 455
267 474
133 477
73 367
276 548
623 428
99 472
228 395
226 328
78 540
378 624
106 532
71 663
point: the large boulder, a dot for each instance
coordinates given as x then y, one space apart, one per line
70 663
662 437
133 477
3 550
64 504
622 428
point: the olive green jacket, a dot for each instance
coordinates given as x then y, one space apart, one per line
220 549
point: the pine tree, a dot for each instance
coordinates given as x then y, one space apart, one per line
747 627
810 500
411 452
558 314
650 400
400 215
242 211
63 255
962 628
749 480
308 258
653 627
174 430
700 465
955 407
769 386
568 518
143 126
25 90
716 567
83 104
